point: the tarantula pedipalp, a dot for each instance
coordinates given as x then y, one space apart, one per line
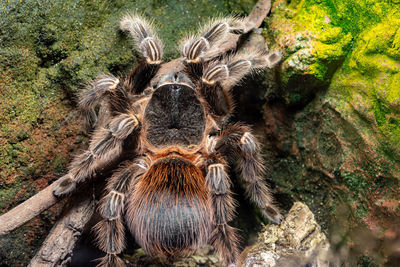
174 193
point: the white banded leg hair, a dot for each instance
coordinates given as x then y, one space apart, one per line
109 232
144 37
224 237
194 48
93 95
232 69
253 171
106 147
236 142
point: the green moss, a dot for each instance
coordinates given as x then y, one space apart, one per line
341 74
376 49
393 91
327 30
366 261
372 73
7 194
315 47
351 16
59 165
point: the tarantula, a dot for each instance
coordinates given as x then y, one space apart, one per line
174 192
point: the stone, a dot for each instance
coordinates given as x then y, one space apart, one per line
297 241
332 121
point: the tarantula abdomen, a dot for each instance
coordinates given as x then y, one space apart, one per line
170 215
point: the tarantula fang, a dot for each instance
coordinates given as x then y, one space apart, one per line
175 193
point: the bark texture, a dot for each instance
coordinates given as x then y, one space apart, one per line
27 210
57 248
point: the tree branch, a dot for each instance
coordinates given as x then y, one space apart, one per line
56 249
27 210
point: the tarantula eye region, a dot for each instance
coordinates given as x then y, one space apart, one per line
177 78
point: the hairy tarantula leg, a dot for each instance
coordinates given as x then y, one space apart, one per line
109 232
107 88
219 101
96 91
223 237
149 45
236 141
194 49
252 172
234 68
106 147
144 37
139 78
218 78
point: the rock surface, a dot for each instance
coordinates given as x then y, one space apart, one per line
297 241
333 119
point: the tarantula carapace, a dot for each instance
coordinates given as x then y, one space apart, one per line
174 193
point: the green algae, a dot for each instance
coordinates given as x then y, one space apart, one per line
372 71
318 36
315 46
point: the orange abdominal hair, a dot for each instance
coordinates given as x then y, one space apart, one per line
169 212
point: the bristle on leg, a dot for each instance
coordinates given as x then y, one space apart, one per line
236 142
144 37
110 232
111 260
194 48
232 69
223 237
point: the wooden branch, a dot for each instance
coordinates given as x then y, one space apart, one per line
27 210
258 14
57 248
45 199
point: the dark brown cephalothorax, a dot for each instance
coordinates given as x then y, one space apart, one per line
174 116
173 192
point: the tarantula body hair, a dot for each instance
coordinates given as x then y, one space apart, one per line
183 124
170 146
169 211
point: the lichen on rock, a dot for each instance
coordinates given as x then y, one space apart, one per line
313 45
297 241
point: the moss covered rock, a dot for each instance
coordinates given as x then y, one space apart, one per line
334 127
314 47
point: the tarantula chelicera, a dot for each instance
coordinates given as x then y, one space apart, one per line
174 193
